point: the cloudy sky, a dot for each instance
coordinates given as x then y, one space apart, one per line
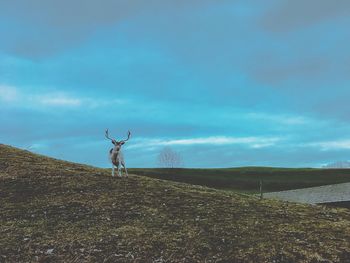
224 83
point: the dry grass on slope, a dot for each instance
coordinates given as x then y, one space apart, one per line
52 210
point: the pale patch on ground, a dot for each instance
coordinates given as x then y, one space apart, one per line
315 195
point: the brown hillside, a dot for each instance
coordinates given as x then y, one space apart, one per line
52 210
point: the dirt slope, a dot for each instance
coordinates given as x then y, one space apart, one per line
52 211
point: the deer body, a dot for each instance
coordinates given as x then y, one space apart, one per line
116 155
117 160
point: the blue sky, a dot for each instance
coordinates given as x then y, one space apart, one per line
224 83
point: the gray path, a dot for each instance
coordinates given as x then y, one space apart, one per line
315 195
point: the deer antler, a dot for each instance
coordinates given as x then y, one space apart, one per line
107 135
129 133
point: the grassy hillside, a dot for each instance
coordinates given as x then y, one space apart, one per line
52 210
246 179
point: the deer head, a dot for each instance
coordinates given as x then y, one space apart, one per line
117 144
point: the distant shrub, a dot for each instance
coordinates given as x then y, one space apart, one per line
168 158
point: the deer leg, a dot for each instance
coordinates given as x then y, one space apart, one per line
119 171
126 171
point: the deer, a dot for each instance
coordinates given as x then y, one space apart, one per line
116 155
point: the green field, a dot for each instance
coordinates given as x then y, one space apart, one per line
246 179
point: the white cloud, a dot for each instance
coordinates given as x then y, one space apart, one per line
57 100
280 118
253 142
65 100
14 95
8 93
18 97
331 145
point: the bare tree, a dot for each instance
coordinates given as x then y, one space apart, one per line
168 158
